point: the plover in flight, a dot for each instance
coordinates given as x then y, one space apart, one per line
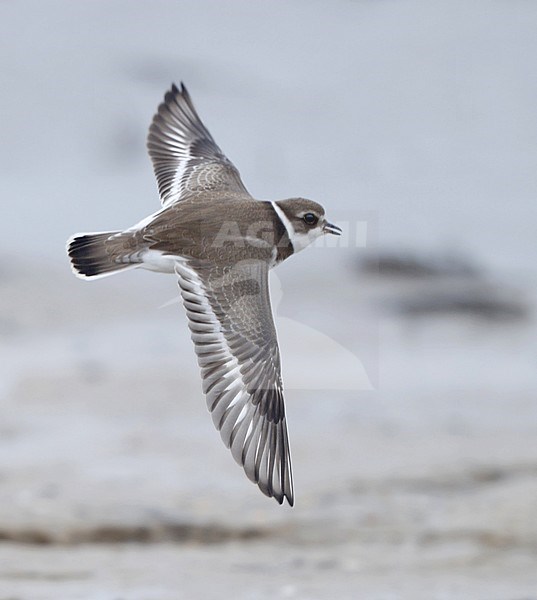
220 242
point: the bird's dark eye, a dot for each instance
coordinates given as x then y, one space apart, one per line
310 219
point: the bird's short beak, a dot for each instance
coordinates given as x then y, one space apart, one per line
334 229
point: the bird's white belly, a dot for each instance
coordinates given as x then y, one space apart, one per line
155 260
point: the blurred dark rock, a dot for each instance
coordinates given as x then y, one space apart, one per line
405 263
411 284
478 301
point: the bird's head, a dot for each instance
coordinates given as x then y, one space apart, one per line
305 221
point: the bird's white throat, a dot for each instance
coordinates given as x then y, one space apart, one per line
299 240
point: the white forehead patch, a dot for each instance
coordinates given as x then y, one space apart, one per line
298 240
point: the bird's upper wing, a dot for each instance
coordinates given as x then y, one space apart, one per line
185 157
231 324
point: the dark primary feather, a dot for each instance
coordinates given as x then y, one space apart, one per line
235 339
185 157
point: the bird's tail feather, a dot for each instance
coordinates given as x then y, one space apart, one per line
95 255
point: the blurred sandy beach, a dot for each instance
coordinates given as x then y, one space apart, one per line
409 359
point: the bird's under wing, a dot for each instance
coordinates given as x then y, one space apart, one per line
231 324
185 157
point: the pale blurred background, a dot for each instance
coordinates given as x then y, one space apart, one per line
409 350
